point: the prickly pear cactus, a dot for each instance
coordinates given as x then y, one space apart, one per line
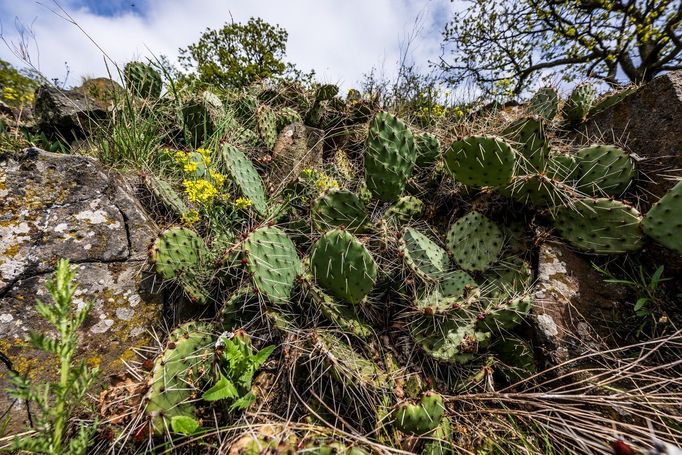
273 262
246 177
142 80
406 209
326 92
266 122
428 149
454 291
545 103
449 341
201 115
578 105
286 116
663 222
604 170
343 266
389 156
337 208
528 136
421 417
245 109
179 374
505 314
176 251
164 193
475 242
611 99
481 161
602 226
422 255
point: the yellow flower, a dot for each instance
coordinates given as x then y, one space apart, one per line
218 178
9 94
201 191
190 217
206 154
242 203
181 157
324 182
190 167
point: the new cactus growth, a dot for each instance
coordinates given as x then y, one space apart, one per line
663 222
604 170
481 161
179 373
428 149
475 242
422 255
578 105
389 156
142 80
544 103
602 226
266 122
343 266
273 262
336 208
246 177
421 417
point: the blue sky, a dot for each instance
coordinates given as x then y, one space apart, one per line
339 39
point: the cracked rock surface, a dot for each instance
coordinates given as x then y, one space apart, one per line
54 206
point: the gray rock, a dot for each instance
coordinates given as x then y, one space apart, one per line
572 305
298 147
54 206
67 113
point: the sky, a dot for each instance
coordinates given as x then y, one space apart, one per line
340 39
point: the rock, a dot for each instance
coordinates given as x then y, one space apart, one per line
54 206
648 121
572 304
101 91
298 147
67 113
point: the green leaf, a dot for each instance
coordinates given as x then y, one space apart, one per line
221 390
244 402
262 356
184 425
641 303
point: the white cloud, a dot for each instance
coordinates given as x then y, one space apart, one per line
340 40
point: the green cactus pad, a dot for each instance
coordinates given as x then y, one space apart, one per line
475 242
611 99
563 168
336 208
481 161
454 291
286 116
389 156
422 255
578 105
449 341
266 122
428 149
600 226
422 417
528 136
164 193
517 358
604 170
540 190
245 109
406 209
201 115
439 441
505 314
179 374
246 177
544 103
509 277
142 80
343 266
177 250
273 262
663 222
326 92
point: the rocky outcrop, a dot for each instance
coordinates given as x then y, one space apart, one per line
54 206
297 147
66 113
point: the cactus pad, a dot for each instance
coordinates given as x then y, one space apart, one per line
273 262
407 208
475 242
343 266
422 255
481 161
337 208
578 105
164 193
528 134
449 341
454 291
663 222
428 149
600 226
604 170
422 417
389 156
142 80
266 122
544 103
245 177
177 250
286 116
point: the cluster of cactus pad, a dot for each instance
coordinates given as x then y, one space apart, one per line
323 260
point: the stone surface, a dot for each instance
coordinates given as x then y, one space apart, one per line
297 147
572 303
54 206
67 113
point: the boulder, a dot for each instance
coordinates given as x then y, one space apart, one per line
573 305
54 206
66 113
298 147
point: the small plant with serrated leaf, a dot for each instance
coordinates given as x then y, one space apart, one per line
56 402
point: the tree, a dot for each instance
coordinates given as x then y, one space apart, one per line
505 45
16 86
238 54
